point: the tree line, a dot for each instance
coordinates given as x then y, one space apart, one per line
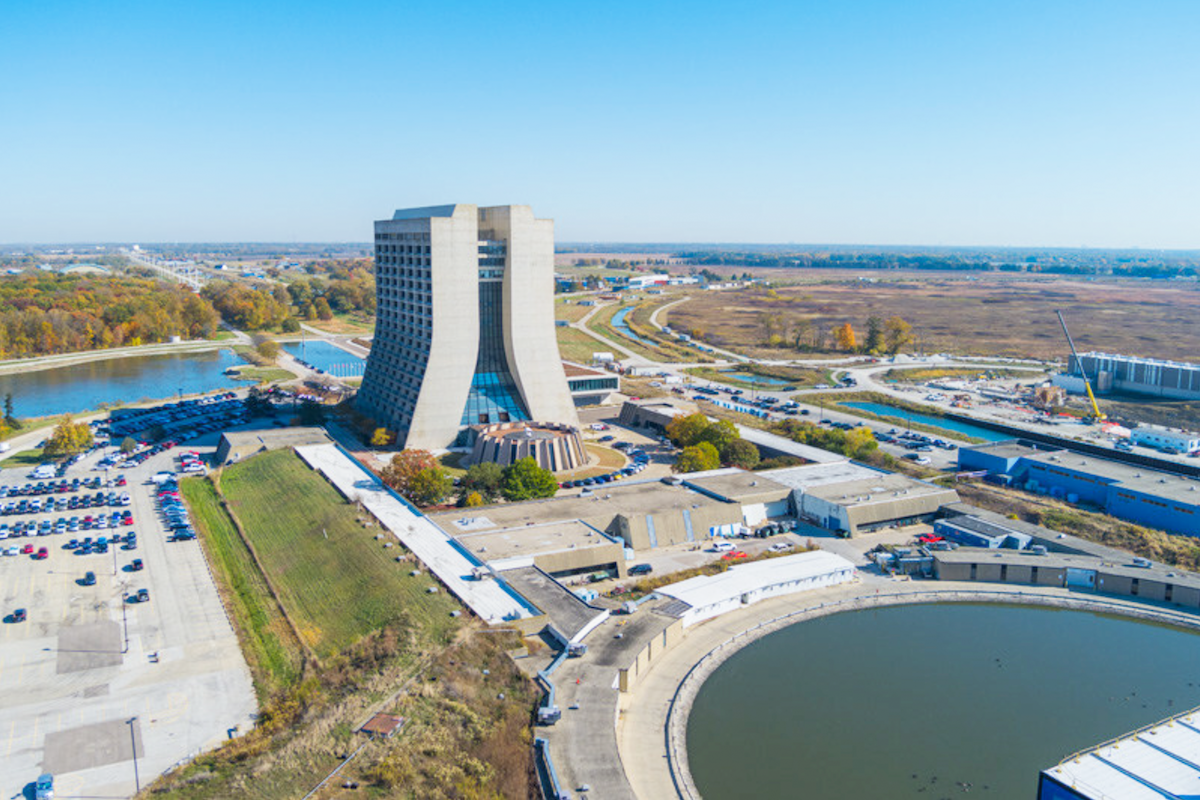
883 336
417 475
46 313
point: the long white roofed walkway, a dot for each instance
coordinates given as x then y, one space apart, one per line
491 599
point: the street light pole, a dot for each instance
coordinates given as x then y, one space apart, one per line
137 783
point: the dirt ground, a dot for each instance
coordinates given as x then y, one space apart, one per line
965 314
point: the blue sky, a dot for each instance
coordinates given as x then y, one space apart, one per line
955 123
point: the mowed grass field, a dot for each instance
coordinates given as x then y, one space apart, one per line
978 314
270 648
335 580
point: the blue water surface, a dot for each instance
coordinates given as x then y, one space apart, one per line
902 416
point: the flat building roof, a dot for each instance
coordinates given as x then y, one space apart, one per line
1139 479
738 486
879 488
812 475
646 497
492 544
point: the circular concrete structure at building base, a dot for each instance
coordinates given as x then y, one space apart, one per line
556 447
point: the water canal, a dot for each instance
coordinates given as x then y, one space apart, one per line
931 701
87 386
903 417
618 322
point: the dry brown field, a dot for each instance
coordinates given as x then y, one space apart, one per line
970 315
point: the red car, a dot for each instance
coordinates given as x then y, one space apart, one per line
734 555
42 554
121 480
27 550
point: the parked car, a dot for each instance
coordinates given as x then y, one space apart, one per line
19 615
641 569
136 565
89 578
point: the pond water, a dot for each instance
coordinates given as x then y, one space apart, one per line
761 380
84 387
901 416
618 322
917 701
326 357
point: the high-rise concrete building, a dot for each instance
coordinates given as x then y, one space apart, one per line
464 333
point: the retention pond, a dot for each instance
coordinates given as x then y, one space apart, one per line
931 701
950 425
85 387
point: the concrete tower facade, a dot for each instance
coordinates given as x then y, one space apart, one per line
464 333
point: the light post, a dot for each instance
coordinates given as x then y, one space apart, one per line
137 783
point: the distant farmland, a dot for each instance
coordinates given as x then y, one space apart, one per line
977 315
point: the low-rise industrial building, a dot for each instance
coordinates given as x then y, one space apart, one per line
707 596
1165 438
240 445
972 531
1152 498
759 497
591 387
1081 572
1152 763
562 548
644 515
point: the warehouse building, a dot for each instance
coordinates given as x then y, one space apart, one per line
562 549
1152 763
1148 497
1133 374
1084 573
237 446
850 499
708 596
644 515
1165 438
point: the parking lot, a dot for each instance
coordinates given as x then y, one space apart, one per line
91 677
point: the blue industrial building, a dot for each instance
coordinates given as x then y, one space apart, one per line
1145 496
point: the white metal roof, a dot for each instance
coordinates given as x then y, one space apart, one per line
784 445
1161 761
706 590
807 476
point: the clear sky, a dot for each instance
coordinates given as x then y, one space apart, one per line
952 122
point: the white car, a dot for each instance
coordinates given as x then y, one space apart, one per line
722 546
780 547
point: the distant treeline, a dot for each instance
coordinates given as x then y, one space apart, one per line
43 313
1076 263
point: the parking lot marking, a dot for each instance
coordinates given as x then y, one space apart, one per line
20 669
12 729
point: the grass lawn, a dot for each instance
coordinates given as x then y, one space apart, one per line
270 648
265 374
452 463
797 377
575 345
344 323
335 579
25 458
570 310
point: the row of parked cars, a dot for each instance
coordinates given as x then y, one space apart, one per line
99 546
640 460
65 525
183 420
52 487
50 505
175 513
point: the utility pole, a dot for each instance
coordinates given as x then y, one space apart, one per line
137 783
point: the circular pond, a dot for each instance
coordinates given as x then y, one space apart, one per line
931 701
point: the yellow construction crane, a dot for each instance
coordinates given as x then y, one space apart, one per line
1097 415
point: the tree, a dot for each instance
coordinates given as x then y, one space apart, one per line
860 442
324 312
312 413
484 479
382 437
403 468
740 453
430 486
525 480
290 325
69 438
266 347
128 445
10 418
687 430
875 341
896 334
471 500
698 458
720 434
843 337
